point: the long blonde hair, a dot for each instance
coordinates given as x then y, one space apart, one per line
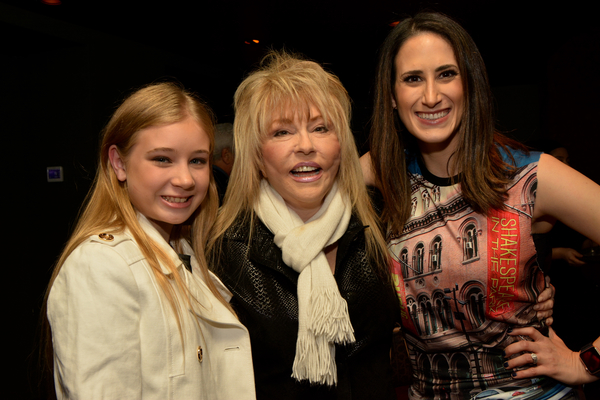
282 85
108 209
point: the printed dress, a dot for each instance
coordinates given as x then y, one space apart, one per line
463 279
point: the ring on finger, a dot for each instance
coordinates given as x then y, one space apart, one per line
534 358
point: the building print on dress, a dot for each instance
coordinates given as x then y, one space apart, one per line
495 285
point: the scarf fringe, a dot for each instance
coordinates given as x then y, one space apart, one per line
328 316
315 360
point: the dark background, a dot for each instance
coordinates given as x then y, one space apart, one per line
64 69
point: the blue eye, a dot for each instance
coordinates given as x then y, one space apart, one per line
161 159
199 161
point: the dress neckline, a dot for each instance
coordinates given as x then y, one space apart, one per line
436 180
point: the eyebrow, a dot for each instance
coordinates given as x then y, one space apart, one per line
438 69
170 150
282 121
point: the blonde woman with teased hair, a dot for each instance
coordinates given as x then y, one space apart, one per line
297 241
131 307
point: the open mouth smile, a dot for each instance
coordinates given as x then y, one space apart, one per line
176 199
432 116
305 171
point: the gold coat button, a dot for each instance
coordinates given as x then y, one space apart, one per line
107 237
199 353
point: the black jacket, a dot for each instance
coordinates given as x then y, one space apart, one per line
265 298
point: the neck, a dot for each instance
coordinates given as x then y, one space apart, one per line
438 159
438 164
163 228
304 213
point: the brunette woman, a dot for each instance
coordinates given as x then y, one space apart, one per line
466 210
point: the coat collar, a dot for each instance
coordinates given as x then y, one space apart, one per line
210 308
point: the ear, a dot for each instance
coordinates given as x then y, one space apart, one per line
117 163
227 156
263 172
261 168
394 103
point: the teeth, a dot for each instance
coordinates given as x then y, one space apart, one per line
305 169
175 199
432 116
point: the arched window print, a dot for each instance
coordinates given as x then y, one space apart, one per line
448 313
428 316
470 243
531 190
418 258
404 262
441 373
443 312
425 367
462 371
435 254
433 318
414 313
413 206
476 306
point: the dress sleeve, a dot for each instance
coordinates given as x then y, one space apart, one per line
94 313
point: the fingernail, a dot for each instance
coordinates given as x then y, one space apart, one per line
503 353
510 329
514 374
505 365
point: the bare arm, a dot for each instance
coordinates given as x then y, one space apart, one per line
572 256
568 196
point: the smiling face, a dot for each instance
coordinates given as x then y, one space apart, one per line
167 172
301 159
428 91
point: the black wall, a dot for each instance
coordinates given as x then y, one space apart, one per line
63 71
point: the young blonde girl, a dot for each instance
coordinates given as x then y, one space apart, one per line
132 309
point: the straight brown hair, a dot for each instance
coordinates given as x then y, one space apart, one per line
483 172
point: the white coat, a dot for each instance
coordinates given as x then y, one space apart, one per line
115 335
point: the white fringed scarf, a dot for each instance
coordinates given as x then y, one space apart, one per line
322 313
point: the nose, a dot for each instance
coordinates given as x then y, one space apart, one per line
305 142
182 177
431 94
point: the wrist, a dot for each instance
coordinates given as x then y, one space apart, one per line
559 253
590 358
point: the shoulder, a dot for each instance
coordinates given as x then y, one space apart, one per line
104 257
97 272
239 229
248 234
108 245
520 158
